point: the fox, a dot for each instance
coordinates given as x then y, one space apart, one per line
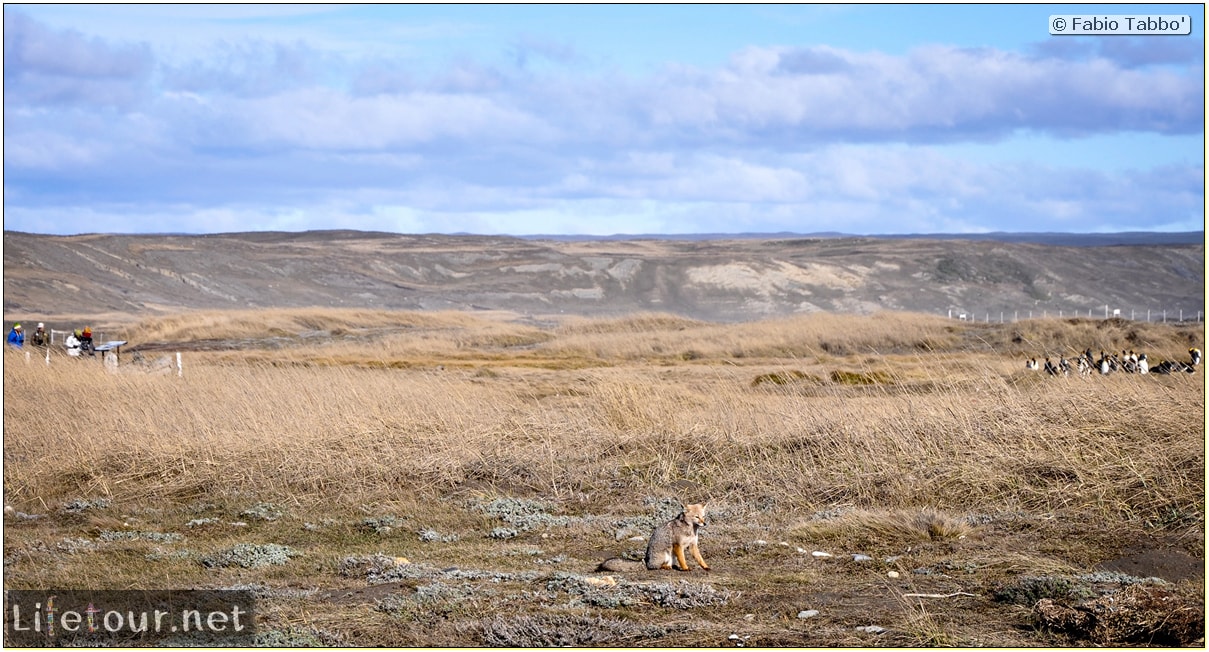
668 543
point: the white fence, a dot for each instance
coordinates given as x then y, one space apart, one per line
1148 315
58 337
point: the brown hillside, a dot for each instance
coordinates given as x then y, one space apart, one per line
723 280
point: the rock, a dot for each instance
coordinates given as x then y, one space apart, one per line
860 557
749 617
892 575
818 553
801 551
871 629
759 542
606 580
808 613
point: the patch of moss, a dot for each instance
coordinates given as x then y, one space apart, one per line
564 631
1027 590
248 555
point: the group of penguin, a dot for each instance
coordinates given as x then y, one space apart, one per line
1127 361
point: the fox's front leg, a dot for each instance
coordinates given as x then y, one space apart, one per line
678 551
697 555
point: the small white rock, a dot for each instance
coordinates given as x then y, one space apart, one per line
860 557
801 551
892 575
760 542
808 613
784 543
732 637
871 629
635 539
605 581
818 553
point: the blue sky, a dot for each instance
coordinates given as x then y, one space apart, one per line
575 119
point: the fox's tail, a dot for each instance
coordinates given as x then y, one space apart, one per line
619 565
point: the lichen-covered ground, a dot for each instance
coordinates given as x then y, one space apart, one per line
508 571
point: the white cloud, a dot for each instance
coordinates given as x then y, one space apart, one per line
46 150
49 67
933 93
267 133
318 118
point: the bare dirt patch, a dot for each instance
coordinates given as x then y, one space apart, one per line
1171 565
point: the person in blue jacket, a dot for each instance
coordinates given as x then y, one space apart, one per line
16 338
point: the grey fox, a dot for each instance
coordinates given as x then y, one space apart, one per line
668 542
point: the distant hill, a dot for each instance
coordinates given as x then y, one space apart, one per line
716 277
1059 239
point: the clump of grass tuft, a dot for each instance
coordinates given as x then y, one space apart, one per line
860 377
886 528
779 378
1137 614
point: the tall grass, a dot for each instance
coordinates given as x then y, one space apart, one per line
943 427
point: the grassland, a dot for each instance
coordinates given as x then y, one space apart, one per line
504 458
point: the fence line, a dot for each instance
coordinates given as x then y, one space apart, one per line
1156 316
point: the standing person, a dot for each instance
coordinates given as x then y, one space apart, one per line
73 344
16 338
86 345
40 338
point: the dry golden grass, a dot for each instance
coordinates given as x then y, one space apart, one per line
361 421
405 412
237 324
